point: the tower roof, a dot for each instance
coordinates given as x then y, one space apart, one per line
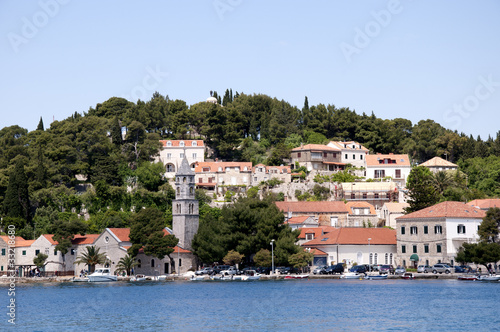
185 169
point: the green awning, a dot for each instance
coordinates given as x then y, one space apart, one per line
414 257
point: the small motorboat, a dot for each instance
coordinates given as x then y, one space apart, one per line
82 279
139 277
491 277
159 278
467 277
251 275
376 277
197 278
351 275
408 276
102 275
297 276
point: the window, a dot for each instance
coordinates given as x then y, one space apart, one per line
388 195
3 251
309 236
438 229
403 230
361 157
152 263
353 196
379 173
325 154
426 248
371 259
37 252
375 260
194 143
24 252
180 262
414 248
220 168
169 143
365 196
299 155
206 169
375 195
438 248
334 221
398 174
403 249
182 155
194 155
170 168
55 252
390 258
139 263
461 229
346 157
426 229
386 258
181 143
353 157
413 230
169 156
73 252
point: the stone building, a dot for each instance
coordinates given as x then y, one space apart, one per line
361 214
317 157
434 234
327 213
173 152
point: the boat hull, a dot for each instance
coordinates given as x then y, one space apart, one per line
102 278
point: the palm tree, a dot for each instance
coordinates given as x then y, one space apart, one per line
126 264
442 181
91 258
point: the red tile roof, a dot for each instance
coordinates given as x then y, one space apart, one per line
438 162
312 207
121 233
485 204
77 240
377 160
17 239
24 243
297 220
360 204
316 252
214 166
315 147
281 169
396 207
317 231
447 209
354 235
187 143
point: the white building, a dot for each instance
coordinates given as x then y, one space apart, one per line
351 153
395 166
172 153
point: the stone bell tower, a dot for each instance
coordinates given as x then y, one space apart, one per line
185 208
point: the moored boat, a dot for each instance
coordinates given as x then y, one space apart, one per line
139 277
376 277
297 276
408 275
102 275
351 275
251 275
467 277
491 277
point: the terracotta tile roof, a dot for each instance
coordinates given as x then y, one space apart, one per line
214 166
396 207
438 162
354 235
447 209
397 160
485 204
360 204
121 233
24 243
187 143
317 231
17 239
312 207
315 147
348 145
316 252
297 220
77 240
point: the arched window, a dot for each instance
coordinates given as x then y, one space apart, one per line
152 263
181 143
170 168
139 263
178 191
184 179
169 143
194 143
386 258
375 260
390 259
371 259
191 190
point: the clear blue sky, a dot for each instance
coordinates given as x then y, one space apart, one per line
418 60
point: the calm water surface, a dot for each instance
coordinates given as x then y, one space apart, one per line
283 305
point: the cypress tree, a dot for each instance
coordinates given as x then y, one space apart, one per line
16 202
116 132
40 125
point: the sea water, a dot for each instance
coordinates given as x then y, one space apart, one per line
273 305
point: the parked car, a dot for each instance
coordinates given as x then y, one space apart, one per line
358 269
219 268
376 267
205 270
400 270
424 268
459 269
337 268
263 270
440 268
320 269
283 269
386 269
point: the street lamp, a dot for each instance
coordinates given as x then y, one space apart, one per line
272 256
369 253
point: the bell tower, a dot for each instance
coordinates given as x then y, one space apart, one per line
185 207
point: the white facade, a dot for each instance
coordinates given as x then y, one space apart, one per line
351 153
359 254
172 154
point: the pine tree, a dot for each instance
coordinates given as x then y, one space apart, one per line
116 132
16 202
40 125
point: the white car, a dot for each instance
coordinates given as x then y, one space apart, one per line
424 268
